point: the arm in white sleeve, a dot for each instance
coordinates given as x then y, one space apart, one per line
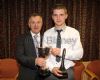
75 51
45 41
49 64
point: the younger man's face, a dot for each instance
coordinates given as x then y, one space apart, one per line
59 16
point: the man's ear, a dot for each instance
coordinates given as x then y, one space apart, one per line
66 16
52 16
29 25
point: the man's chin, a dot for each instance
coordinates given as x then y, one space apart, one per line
36 32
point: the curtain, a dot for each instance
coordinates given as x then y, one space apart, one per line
82 15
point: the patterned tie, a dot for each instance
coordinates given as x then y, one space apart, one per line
36 43
58 45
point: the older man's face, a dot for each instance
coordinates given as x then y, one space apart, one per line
35 24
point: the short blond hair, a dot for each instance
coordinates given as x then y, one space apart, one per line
59 6
35 14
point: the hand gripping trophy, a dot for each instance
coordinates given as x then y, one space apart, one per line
43 52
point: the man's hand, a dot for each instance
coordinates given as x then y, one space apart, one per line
56 71
55 51
40 62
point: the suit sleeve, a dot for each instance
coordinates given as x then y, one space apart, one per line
22 58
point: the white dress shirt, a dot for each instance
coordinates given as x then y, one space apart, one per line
70 40
38 41
38 37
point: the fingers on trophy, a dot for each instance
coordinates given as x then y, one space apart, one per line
43 52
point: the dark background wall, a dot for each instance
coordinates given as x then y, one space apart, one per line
84 15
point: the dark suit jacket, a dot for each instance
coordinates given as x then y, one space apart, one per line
26 55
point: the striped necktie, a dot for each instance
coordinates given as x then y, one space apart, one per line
36 43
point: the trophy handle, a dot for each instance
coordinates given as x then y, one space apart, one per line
62 67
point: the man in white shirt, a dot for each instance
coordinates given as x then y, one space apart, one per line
70 40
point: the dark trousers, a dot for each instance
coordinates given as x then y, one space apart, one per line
70 72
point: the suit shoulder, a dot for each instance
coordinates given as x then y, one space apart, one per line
23 36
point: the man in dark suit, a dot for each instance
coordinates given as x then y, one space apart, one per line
26 51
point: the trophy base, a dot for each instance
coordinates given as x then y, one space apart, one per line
65 75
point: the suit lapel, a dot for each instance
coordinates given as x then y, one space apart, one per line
30 43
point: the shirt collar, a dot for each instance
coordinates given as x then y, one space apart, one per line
63 28
33 34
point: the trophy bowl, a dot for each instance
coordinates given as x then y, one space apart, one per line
43 52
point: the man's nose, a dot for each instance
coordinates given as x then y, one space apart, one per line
36 24
58 17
